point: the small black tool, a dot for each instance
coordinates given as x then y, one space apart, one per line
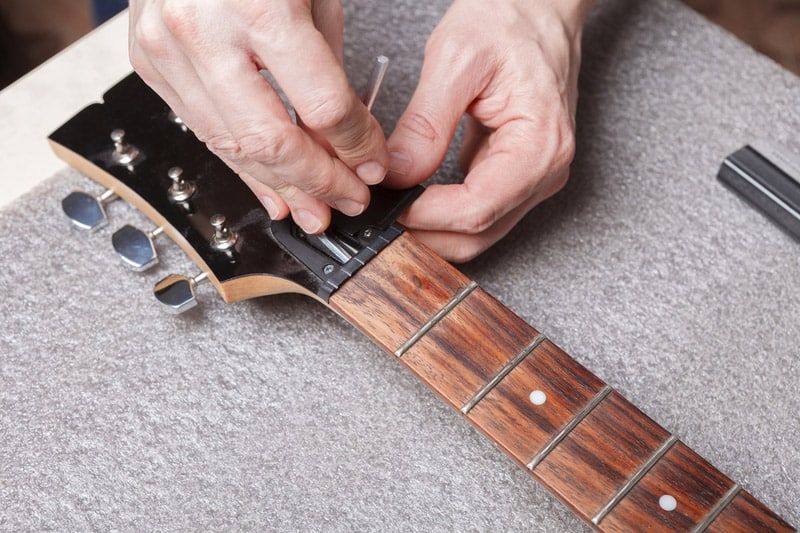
768 176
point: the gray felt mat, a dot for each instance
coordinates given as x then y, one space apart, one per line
277 415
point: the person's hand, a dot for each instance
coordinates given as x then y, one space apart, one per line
514 71
203 57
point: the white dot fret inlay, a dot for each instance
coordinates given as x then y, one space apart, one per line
538 397
667 502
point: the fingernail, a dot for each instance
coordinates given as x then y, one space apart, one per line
349 207
399 163
270 206
371 172
307 221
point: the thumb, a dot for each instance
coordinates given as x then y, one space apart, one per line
423 133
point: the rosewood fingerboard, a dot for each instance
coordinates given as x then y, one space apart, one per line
614 466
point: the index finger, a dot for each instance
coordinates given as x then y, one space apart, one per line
517 166
310 74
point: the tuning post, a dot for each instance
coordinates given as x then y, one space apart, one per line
180 190
135 247
177 292
86 211
224 239
124 153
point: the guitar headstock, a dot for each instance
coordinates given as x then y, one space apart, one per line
135 147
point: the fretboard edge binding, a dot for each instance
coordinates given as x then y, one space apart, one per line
491 384
626 488
440 314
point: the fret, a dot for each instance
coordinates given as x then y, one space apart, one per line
717 510
626 488
745 514
511 365
603 457
468 347
566 430
682 477
392 298
521 428
440 314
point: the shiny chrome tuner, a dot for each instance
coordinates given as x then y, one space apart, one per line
180 190
177 293
86 211
136 247
124 153
224 239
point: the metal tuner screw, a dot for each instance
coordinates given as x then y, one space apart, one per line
177 293
180 190
135 247
86 211
124 153
224 239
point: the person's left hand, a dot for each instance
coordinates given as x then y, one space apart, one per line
515 74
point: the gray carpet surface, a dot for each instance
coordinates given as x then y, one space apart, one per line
277 415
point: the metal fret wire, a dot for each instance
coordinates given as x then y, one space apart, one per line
440 314
503 372
569 427
626 488
721 505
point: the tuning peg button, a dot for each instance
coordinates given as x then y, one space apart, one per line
180 190
124 153
224 239
177 293
86 211
136 247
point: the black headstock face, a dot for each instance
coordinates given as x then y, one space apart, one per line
134 146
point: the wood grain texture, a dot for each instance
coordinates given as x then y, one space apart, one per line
611 443
468 347
521 429
691 480
398 293
746 514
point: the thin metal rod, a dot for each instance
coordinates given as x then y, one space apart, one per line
511 365
558 437
723 503
375 80
626 488
440 314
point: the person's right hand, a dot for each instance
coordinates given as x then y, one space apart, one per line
203 58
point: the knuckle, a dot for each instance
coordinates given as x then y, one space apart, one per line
223 144
477 219
419 125
147 40
179 17
466 250
565 151
263 146
319 187
327 110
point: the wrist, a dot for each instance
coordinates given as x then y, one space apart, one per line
572 13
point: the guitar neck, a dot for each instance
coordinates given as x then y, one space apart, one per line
604 458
